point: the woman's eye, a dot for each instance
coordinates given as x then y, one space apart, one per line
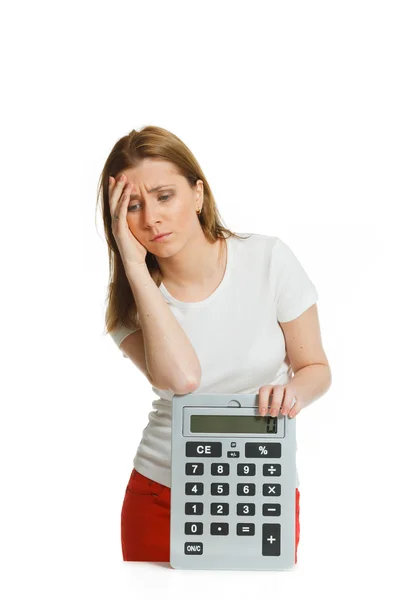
160 198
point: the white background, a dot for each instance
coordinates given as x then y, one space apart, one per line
292 110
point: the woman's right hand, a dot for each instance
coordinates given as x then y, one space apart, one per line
131 250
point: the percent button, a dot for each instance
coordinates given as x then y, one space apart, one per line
263 450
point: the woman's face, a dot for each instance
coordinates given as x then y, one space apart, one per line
170 209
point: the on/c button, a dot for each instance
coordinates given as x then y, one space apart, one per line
194 548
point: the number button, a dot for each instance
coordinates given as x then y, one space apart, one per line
246 489
219 489
194 469
194 528
246 469
219 508
194 488
246 509
219 468
194 508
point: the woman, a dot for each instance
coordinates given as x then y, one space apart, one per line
201 309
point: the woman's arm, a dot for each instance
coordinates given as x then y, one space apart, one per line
170 357
312 373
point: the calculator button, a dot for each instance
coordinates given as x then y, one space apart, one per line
246 469
246 489
219 508
193 548
262 450
219 528
271 510
194 508
271 489
219 489
194 488
194 528
219 468
245 529
194 469
233 454
204 449
271 470
271 539
245 509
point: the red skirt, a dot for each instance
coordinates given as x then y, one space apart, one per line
145 520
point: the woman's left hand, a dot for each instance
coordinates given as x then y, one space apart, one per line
283 397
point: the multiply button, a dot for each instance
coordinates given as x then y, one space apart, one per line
271 489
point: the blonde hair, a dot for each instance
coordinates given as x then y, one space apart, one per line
128 152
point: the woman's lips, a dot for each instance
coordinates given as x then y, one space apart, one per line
162 237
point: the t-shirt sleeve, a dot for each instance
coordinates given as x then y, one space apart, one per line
294 291
120 333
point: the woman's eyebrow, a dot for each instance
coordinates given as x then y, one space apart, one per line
154 189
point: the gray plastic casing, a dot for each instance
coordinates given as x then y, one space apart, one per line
231 551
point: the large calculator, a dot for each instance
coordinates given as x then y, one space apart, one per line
233 484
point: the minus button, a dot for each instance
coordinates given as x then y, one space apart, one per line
271 510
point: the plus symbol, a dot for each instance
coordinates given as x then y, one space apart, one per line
271 539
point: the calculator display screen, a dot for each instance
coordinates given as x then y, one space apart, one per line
233 424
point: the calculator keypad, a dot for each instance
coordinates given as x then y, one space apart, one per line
271 531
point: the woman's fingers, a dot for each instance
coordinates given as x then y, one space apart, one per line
275 398
115 190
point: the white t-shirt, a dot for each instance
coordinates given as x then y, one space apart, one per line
235 334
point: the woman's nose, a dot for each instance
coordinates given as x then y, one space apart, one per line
151 215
